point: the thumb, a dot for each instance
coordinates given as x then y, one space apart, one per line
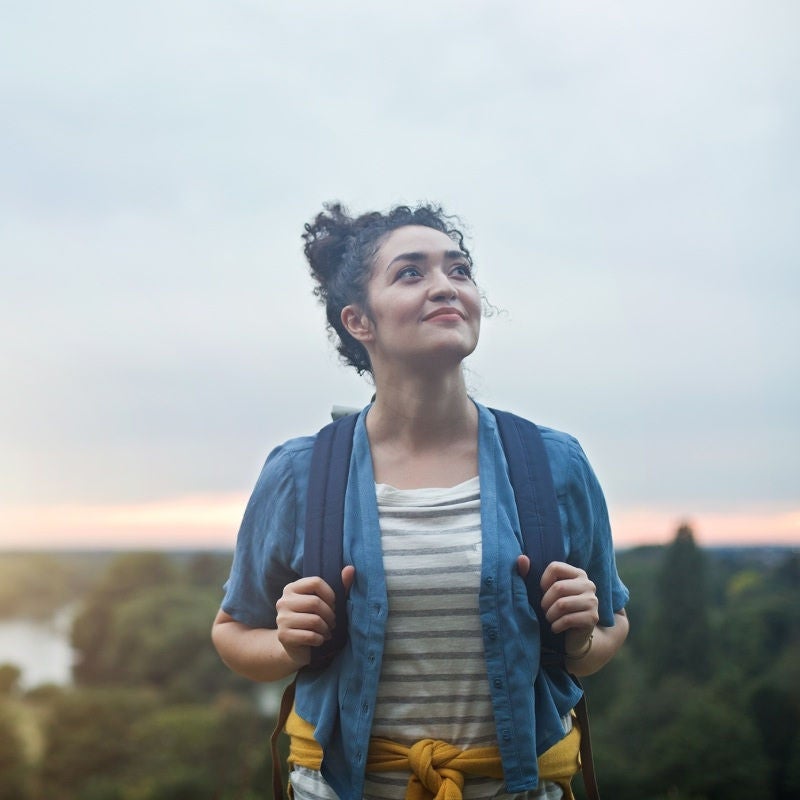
348 576
523 565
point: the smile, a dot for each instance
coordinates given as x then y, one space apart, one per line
444 313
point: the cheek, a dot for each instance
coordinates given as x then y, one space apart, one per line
395 308
473 300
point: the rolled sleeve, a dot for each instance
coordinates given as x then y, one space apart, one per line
267 554
585 523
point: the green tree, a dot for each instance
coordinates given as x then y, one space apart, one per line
759 658
126 578
679 740
35 585
707 748
208 570
776 715
148 624
88 745
14 772
10 675
160 638
200 752
680 642
791 778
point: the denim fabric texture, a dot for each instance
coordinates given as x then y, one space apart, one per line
528 703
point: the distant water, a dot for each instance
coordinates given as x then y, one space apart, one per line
40 649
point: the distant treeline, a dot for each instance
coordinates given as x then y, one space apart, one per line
702 703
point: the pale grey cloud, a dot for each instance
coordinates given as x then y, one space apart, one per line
628 172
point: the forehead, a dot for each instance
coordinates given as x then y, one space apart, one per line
413 239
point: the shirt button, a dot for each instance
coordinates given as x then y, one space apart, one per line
359 756
365 707
498 682
371 658
492 633
506 734
490 581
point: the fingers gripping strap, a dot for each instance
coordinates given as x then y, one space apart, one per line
531 479
324 536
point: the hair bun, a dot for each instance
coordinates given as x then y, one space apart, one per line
326 241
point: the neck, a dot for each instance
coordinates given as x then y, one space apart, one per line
422 410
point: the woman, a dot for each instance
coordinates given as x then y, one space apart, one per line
440 628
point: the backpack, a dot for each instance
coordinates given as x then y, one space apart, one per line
540 524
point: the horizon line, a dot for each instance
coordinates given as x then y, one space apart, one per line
210 521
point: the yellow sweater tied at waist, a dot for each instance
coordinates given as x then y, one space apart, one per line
437 768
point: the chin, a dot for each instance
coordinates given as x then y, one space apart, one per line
452 354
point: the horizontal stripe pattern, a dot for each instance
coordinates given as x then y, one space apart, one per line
433 679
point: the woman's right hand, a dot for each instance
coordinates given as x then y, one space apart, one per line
306 616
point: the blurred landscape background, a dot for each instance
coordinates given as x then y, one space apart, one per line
627 174
110 688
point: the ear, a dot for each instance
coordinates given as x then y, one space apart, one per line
357 323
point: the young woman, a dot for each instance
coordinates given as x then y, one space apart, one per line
439 685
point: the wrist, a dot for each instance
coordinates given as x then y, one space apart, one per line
582 651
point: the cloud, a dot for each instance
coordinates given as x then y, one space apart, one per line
627 171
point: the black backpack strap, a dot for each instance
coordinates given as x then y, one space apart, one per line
323 545
323 553
537 507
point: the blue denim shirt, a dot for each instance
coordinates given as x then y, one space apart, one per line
528 702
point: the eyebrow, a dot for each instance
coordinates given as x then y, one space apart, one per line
418 257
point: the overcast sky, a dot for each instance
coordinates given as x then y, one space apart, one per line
627 173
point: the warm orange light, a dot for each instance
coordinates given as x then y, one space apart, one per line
211 521
195 521
736 528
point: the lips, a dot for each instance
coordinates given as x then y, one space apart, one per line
447 311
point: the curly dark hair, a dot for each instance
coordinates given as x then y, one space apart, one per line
341 248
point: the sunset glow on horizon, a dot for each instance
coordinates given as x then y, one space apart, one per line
210 521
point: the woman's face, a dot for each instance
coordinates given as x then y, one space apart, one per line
423 306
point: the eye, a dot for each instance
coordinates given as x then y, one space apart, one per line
462 270
408 272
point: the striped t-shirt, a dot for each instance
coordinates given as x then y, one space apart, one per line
433 677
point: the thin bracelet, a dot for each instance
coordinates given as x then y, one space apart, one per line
584 651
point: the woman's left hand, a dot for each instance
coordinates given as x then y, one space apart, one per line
569 602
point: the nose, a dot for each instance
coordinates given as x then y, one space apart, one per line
442 288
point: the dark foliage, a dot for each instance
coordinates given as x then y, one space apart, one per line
702 703
14 770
